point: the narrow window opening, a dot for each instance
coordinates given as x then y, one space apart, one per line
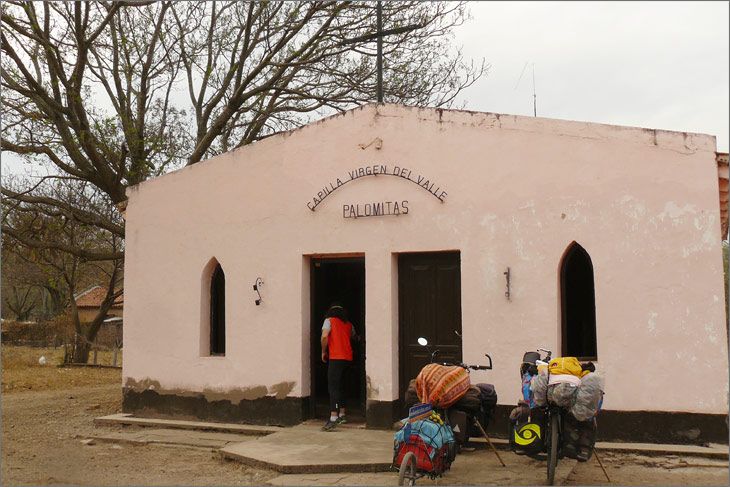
218 312
578 304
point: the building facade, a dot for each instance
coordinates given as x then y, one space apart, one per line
484 233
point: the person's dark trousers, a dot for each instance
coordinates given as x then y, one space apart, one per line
335 372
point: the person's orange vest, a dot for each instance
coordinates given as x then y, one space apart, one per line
338 340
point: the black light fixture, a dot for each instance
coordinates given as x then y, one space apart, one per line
257 284
507 276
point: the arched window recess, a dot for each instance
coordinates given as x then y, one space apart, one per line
578 304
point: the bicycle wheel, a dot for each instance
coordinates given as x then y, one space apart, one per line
553 451
407 472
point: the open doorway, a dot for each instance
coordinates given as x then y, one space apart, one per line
343 280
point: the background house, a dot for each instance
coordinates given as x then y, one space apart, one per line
88 303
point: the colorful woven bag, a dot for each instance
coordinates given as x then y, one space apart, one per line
442 385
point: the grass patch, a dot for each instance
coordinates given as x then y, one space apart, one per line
22 372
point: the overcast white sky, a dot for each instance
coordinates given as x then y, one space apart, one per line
659 65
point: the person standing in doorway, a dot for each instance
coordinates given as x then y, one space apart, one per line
337 336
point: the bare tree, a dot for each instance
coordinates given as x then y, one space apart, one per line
41 235
20 301
253 69
113 93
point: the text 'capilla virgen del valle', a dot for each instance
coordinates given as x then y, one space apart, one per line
380 208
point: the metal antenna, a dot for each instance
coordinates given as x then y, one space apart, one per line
522 73
534 93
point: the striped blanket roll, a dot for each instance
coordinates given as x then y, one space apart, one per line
442 385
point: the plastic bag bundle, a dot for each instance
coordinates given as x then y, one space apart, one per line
588 397
562 394
538 386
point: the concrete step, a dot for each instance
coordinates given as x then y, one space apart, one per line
124 419
305 448
651 449
199 439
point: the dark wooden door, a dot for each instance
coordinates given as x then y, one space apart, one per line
429 306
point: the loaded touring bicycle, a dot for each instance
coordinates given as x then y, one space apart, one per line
556 416
439 425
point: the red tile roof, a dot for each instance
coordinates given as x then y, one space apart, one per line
723 174
92 298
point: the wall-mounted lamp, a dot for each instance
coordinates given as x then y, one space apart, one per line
507 292
256 287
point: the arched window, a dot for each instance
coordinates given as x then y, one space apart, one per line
578 304
218 312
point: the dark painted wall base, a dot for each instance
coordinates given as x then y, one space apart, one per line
382 414
628 426
263 411
643 426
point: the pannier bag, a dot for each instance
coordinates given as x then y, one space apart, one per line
470 402
411 396
430 441
479 401
488 396
459 425
442 385
526 437
579 437
588 398
562 394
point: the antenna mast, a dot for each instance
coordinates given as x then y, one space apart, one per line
534 93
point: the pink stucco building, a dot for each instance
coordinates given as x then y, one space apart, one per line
516 232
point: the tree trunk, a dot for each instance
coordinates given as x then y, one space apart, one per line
54 301
81 351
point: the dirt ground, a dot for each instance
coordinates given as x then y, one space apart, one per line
21 370
632 469
40 446
46 413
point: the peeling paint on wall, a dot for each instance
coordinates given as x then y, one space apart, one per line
710 331
632 207
652 322
674 212
280 390
573 212
372 392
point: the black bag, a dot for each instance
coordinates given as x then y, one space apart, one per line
411 396
470 402
459 426
579 437
526 433
488 397
487 405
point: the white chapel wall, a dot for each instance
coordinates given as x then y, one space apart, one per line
519 191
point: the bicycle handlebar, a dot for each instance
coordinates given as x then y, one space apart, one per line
476 367
463 365
479 367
